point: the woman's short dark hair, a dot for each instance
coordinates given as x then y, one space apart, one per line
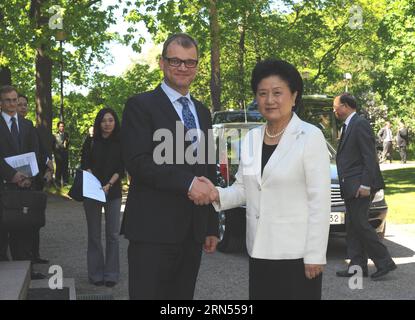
283 69
97 123
347 98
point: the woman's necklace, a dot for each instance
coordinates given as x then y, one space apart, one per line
273 135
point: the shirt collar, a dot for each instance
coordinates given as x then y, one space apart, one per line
349 118
8 117
172 94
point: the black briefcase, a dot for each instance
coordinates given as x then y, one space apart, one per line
22 209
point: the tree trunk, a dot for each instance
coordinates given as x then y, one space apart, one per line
215 84
43 80
241 66
5 76
44 95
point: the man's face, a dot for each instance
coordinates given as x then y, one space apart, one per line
61 127
180 77
9 102
22 107
339 109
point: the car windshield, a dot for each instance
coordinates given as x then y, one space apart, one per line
232 116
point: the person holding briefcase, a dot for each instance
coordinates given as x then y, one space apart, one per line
17 136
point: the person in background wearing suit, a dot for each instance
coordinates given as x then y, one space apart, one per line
402 139
101 156
360 178
46 171
386 136
61 153
17 136
165 229
284 180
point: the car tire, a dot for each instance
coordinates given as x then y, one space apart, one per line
232 226
381 234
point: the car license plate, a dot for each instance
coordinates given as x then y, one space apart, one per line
337 218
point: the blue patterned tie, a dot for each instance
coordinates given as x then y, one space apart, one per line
188 117
15 134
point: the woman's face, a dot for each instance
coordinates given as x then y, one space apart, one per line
274 98
107 124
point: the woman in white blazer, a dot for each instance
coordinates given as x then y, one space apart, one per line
284 181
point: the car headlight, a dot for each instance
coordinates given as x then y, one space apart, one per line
379 196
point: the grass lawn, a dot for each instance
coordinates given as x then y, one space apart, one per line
400 195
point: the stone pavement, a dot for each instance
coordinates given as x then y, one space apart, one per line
396 165
63 241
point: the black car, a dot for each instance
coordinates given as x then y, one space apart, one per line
232 222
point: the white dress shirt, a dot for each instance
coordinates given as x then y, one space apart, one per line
8 119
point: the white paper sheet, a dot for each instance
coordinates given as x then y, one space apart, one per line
25 163
91 187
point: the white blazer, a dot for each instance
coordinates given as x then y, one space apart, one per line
288 208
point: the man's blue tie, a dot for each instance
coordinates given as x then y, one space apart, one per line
188 117
15 134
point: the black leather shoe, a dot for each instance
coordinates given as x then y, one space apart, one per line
381 272
110 284
40 261
37 276
347 274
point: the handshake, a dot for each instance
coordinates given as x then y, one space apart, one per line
203 191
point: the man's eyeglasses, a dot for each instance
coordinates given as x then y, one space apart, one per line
9 101
176 62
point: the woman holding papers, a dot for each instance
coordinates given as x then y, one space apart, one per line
101 156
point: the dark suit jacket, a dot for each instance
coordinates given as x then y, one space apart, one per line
402 137
158 209
28 143
357 163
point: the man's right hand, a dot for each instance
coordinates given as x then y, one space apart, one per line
18 177
200 192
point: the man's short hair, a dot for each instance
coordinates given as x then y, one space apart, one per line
182 39
347 98
6 89
59 123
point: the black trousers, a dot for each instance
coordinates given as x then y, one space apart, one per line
362 240
36 243
163 271
402 153
20 243
282 280
4 243
61 160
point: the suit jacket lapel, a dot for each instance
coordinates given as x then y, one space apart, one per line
22 132
348 130
202 121
286 143
7 133
166 105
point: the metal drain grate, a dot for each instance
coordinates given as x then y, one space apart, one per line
94 297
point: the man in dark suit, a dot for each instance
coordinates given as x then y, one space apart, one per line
165 228
46 171
402 139
17 136
61 153
360 178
